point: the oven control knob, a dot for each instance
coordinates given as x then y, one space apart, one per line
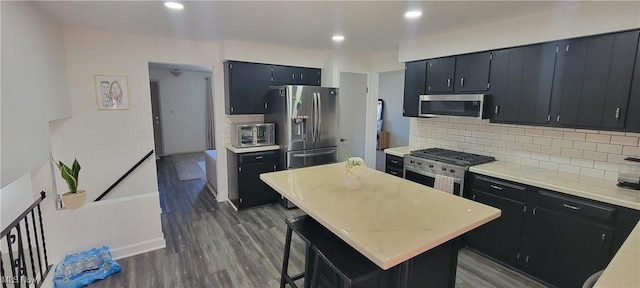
411 161
419 163
430 165
452 171
444 169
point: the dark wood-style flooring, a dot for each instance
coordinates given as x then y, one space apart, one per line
211 245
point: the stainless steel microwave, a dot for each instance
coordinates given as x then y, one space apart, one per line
456 106
253 134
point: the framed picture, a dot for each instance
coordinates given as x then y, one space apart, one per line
112 92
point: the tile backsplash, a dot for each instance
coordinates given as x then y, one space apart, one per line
585 152
233 119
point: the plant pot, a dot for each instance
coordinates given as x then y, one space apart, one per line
352 182
74 200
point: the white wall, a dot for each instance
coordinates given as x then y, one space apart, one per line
183 110
591 17
34 87
14 199
391 90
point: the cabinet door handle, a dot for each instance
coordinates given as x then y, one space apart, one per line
473 197
602 240
617 114
449 82
300 76
293 76
497 107
393 172
462 81
394 161
558 119
496 187
265 105
259 157
571 207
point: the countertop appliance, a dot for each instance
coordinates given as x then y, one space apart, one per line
423 165
306 120
631 179
252 134
454 106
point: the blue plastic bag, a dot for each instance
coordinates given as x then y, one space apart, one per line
84 268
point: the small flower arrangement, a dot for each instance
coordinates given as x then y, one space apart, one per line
353 166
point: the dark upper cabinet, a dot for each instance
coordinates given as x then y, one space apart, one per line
414 86
633 113
309 76
440 75
472 72
592 81
465 73
287 75
246 86
521 81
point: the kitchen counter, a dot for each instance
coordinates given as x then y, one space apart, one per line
624 268
400 151
583 186
239 150
390 220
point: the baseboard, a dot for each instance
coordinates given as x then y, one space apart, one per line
138 248
213 191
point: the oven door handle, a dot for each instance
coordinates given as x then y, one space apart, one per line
429 174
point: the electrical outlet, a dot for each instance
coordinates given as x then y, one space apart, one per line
140 133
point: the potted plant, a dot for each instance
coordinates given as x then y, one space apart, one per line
353 170
75 198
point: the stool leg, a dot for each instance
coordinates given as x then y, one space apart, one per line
285 260
316 272
309 256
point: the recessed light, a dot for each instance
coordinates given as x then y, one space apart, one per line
413 14
174 5
338 38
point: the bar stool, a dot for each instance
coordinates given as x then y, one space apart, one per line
346 264
309 231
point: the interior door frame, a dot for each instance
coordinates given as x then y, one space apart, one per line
161 138
370 116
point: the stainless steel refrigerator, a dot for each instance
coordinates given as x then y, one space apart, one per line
306 119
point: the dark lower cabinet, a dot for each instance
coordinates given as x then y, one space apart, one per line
414 85
558 238
499 238
394 165
246 189
564 250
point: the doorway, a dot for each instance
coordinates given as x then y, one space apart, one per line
353 107
157 124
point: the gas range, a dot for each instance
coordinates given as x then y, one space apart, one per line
424 165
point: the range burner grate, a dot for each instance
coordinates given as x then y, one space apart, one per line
452 157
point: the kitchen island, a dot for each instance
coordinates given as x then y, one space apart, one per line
401 226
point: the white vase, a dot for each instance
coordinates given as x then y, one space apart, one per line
352 182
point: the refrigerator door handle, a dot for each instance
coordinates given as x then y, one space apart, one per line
313 118
319 116
314 154
316 114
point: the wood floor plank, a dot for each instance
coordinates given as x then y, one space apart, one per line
209 244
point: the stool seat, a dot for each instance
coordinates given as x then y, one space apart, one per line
309 231
347 263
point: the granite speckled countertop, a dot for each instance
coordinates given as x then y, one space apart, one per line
583 186
389 220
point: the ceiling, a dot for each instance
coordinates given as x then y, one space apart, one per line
368 26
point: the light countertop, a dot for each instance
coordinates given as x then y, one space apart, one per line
390 220
400 151
624 268
583 186
239 150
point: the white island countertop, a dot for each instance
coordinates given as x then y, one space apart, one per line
583 186
390 220
624 268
